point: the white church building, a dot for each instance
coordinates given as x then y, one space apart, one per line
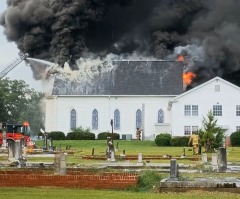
144 94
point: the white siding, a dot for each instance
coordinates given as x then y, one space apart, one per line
106 105
50 114
205 97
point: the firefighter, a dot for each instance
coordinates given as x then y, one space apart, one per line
194 140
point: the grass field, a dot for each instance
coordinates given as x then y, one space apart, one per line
83 148
56 193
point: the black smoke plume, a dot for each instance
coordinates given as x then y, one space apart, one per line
61 30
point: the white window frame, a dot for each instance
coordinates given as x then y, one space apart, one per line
237 110
217 110
194 110
187 110
187 130
190 110
194 129
237 128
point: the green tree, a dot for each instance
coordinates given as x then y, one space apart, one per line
19 103
235 138
211 135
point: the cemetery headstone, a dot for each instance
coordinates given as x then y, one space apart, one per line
204 158
222 159
60 167
214 160
140 158
174 174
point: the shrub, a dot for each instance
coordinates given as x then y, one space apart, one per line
81 134
84 136
163 139
147 181
104 135
81 130
56 135
70 136
235 138
180 141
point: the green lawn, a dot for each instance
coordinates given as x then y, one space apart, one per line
84 148
56 193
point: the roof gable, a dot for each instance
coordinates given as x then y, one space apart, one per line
205 84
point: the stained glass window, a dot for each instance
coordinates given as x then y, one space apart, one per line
160 116
138 118
73 119
95 119
116 119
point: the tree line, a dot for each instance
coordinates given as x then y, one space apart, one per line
19 103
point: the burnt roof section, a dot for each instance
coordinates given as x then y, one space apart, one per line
128 78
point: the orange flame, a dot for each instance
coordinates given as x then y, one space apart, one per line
180 58
188 77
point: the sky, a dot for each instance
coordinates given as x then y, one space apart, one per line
9 52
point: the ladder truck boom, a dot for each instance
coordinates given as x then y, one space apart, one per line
13 64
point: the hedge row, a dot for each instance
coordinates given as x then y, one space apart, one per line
166 139
104 135
163 139
80 135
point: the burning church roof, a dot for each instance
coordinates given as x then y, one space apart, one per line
127 78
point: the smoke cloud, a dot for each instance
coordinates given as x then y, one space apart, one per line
206 31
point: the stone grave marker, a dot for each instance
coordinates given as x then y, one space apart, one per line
140 158
60 167
174 174
222 153
204 158
214 159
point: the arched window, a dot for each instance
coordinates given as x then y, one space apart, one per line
160 116
138 118
95 119
73 119
116 119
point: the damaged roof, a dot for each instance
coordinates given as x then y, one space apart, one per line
128 78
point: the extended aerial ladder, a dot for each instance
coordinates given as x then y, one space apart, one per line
13 64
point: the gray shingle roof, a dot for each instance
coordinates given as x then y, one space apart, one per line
128 78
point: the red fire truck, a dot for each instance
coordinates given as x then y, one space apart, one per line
15 132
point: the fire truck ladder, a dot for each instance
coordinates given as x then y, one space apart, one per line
13 64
